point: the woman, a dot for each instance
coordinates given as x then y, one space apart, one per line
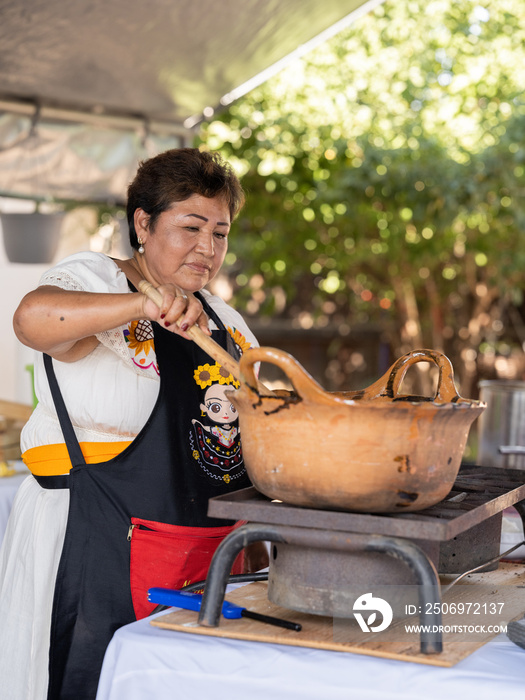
117 466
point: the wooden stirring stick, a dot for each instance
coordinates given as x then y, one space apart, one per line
205 342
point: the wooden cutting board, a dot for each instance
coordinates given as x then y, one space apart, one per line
483 591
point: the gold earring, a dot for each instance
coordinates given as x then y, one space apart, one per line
141 247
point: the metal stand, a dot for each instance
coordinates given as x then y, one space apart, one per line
404 550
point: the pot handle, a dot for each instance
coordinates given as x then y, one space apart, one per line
304 384
511 450
387 387
384 389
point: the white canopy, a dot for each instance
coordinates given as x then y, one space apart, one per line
89 87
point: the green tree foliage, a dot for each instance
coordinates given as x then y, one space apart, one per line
385 175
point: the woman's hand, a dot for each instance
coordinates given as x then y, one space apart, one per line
177 311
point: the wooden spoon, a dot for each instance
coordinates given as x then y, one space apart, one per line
204 341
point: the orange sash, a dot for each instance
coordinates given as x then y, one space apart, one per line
52 460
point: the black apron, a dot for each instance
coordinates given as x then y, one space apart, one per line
175 464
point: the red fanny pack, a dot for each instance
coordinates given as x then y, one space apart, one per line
171 556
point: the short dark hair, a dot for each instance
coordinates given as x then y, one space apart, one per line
176 175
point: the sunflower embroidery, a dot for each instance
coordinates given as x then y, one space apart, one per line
224 377
139 339
206 375
239 339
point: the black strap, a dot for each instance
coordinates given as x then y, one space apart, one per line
61 481
70 438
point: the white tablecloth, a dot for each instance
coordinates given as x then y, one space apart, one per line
147 663
8 488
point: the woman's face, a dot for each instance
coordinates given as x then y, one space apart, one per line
187 245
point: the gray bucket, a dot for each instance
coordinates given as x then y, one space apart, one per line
31 238
501 427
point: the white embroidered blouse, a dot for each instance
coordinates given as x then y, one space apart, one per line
110 393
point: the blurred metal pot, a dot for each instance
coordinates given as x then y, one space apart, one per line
501 428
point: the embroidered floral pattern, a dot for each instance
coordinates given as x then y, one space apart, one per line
206 375
139 340
224 377
214 464
239 339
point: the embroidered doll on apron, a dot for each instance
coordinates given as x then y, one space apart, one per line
216 439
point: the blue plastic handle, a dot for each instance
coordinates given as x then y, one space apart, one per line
190 601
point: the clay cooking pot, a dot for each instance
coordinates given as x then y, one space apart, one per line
373 450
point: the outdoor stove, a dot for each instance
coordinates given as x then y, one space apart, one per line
319 558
